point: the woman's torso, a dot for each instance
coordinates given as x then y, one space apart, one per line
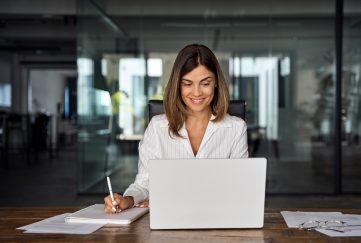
219 140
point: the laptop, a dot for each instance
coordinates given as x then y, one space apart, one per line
207 193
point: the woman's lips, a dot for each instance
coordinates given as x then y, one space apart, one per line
197 101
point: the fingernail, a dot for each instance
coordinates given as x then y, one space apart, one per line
113 208
114 203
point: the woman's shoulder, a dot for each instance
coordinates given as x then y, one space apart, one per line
233 121
159 121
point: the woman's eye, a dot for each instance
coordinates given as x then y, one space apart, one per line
187 84
206 84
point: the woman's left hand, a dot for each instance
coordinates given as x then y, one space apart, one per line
144 204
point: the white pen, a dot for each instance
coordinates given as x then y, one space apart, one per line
111 193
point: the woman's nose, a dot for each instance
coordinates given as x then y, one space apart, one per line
197 90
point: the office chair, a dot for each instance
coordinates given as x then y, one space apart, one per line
236 108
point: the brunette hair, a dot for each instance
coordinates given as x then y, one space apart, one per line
190 57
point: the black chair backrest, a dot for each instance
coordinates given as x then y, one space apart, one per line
236 108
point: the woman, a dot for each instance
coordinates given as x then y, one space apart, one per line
195 123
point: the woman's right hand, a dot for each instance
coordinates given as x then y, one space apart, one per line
120 203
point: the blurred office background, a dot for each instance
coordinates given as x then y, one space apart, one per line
76 75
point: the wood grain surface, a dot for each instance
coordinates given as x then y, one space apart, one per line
274 230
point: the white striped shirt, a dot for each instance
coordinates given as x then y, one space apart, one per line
223 139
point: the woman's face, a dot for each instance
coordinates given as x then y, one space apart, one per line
197 89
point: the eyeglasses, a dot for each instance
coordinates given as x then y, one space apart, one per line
335 225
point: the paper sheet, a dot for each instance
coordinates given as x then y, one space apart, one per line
58 225
331 233
353 229
294 219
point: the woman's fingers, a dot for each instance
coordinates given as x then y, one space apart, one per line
144 204
120 203
108 206
108 209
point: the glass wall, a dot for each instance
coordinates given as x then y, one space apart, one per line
351 97
99 98
286 76
278 56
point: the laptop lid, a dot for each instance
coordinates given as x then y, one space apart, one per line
207 193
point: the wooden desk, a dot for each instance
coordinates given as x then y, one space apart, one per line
275 230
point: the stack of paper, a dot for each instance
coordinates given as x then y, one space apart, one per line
58 225
353 221
95 214
84 221
353 229
295 219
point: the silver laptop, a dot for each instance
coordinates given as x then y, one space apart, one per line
207 193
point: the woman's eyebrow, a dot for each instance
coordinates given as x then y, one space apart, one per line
199 81
206 79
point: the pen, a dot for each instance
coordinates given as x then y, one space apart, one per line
111 193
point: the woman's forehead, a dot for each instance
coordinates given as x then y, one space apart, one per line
199 73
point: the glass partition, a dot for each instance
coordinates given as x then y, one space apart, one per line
351 98
278 58
110 101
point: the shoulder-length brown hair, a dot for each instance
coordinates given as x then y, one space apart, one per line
188 59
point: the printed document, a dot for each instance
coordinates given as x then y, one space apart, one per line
58 225
352 222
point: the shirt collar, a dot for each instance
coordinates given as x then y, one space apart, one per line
226 122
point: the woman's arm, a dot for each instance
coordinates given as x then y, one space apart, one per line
148 149
240 145
137 192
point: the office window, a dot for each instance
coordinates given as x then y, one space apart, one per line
5 95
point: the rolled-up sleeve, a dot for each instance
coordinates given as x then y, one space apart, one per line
147 150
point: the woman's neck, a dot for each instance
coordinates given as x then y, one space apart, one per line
198 118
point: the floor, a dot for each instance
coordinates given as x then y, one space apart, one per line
47 182
54 182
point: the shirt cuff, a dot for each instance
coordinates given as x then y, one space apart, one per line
138 197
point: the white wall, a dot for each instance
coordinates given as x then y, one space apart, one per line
47 87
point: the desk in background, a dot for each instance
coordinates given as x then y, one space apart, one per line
275 230
24 134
